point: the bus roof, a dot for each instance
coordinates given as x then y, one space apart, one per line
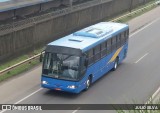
91 36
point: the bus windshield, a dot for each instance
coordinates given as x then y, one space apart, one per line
61 66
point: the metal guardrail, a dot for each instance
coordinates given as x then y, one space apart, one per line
18 64
38 55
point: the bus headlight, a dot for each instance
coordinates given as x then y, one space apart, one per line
72 87
44 82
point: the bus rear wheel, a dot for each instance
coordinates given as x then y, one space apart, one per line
115 64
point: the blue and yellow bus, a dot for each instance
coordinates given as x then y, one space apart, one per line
74 62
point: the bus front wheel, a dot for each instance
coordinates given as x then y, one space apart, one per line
88 83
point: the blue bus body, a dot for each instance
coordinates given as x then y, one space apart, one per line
99 35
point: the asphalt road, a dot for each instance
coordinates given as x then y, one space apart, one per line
135 80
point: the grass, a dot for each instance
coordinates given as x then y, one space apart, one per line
19 59
28 66
153 102
21 68
131 16
139 111
12 62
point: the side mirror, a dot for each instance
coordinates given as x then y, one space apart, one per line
41 57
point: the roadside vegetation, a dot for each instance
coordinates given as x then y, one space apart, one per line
21 68
35 62
152 102
136 14
140 111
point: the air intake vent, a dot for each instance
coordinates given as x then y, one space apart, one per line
93 33
76 40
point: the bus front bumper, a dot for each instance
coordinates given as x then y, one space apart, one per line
69 88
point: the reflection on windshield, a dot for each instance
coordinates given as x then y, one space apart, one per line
61 66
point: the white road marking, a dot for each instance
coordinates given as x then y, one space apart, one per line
24 98
158 90
153 96
76 110
141 58
28 96
144 27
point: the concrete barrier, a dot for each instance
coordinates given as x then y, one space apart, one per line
51 4
38 55
26 35
22 11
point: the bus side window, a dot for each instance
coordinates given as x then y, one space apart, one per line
97 53
103 49
119 41
113 43
83 66
90 57
123 39
109 48
127 35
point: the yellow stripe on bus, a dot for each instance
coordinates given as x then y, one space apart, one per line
115 55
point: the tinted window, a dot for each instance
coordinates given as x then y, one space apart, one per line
123 40
90 53
97 52
103 49
103 46
83 66
126 35
97 49
113 43
90 57
109 48
119 40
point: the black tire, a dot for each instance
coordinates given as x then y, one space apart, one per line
88 83
115 64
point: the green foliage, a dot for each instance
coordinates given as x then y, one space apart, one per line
131 16
19 69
